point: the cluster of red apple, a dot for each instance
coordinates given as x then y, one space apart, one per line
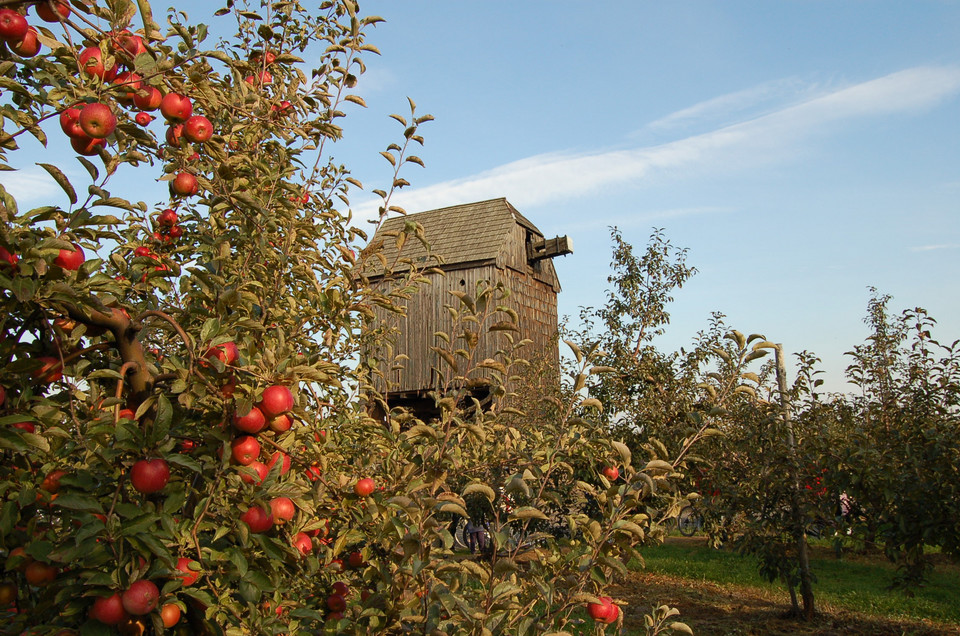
141 598
89 124
20 36
273 412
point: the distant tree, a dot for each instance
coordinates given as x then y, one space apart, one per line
898 439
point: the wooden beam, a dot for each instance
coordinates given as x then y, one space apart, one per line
548 248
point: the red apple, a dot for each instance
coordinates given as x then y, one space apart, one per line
108 609
8 593
258 519
50 371
261 469
174 133
281 423
355 560
129 83
8 257
276 400
336 603
284 462
70 122
92 63
143 119
40 574
188 575
148 98
140 598
130 43
53 10
87 146
364 487
176 108
282 108
13 26
303 543
283 509
97 120
198 129
184 185
126 414
252 422
605 611
257 56
246 449
28 45
341 588
611 472
70 259
313 473
229 388
170 614
226 352
167 218
150 475
176 232
27 427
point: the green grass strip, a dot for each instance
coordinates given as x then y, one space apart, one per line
852 584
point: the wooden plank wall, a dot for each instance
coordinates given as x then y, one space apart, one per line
534 301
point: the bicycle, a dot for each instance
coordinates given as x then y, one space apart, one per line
690 520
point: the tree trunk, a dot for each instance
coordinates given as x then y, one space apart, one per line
799 524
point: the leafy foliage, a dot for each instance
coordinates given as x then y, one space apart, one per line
179 334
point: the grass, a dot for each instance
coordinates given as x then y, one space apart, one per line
855 583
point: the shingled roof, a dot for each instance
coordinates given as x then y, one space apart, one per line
472 233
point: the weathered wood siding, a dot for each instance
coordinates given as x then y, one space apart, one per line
514 255
534 301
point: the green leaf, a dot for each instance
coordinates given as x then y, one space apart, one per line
592 403
484 489
527 512
61 180
659 464
78 501
624 451
449 506
164 417
186 461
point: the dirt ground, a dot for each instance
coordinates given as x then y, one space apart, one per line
714 610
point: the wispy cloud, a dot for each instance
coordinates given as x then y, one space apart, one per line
623 222
555 176
930 248
737 106
30 184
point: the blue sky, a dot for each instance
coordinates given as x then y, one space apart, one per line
802 151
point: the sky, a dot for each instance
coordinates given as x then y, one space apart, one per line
802 151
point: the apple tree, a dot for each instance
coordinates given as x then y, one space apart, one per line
184 434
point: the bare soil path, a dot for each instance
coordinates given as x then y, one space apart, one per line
728 610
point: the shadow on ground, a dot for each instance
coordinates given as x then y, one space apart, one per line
714 610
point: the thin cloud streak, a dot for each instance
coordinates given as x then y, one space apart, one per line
30 184
931 248
646 218
734 105
550 177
